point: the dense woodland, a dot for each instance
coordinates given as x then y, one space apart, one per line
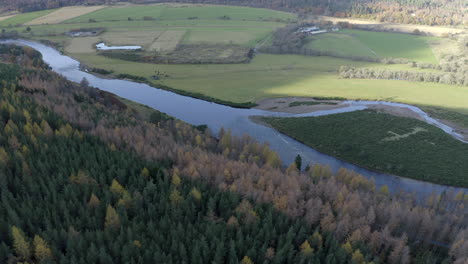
86 179
432 12
68 197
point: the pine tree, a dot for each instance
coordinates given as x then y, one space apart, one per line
298 161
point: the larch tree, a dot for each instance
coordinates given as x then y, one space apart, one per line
112 220
20 243
42 250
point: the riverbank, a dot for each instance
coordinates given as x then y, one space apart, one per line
301 105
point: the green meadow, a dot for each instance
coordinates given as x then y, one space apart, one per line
24 18
375 44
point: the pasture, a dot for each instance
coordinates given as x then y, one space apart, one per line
382 142
376 44
24 18
63 14
183 12
341 44
268 76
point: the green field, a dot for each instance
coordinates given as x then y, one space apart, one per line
375 44
382 142
266 75
288 75
341 44
24 18
184 12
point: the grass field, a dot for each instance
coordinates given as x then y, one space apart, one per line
289 75
183 12
63 14
376 44
24 18
341 44
391 144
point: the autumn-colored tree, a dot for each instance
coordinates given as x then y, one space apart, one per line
196 194
3 156
112 220
175 178
357 257
347 247
316 240
306 249
125 201
384 190
93 201
175 197
145 173
20 244
246 260
116 188
42 251
232 222
270 253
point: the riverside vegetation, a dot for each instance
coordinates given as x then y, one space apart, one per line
119 188
392 144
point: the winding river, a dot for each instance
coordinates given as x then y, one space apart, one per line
216 116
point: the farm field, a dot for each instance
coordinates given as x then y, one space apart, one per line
169 26
24 18
183 12
288 75
341 44
386 143
63 14
375 44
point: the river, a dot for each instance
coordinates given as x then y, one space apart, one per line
216 116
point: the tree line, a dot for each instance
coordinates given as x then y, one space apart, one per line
384 227
427 12
459 78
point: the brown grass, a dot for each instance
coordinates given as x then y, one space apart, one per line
82 45
404 28
63 14
6 17
167 41
131 37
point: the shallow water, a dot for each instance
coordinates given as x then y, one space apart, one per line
216 116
